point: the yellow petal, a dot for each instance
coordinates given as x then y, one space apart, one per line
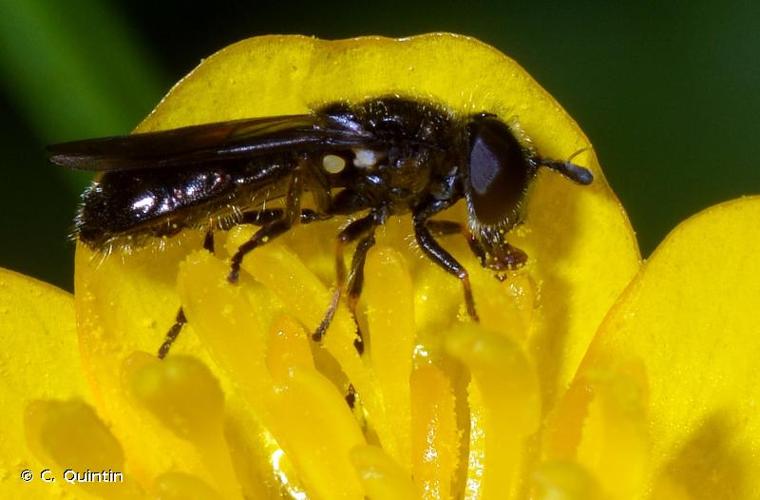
186 398
182 393
601 424
584 255
305 412
435 437
231 325
232 321
689 320
124 306
564 481
70 435
505 398
318 431
288 347
39 360
177 486
388 296
305 297
381 477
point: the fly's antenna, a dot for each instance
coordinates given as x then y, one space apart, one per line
579 152
575 173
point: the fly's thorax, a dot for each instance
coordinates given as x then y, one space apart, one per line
410 154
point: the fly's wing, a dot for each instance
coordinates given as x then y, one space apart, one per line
212 142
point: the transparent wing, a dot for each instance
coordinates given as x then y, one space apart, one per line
212 142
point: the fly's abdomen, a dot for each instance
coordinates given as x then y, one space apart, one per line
133 204
123 202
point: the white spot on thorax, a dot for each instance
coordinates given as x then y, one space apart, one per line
365 158
333 164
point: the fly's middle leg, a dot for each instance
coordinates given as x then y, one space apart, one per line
362 230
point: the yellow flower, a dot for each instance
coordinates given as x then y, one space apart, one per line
589 375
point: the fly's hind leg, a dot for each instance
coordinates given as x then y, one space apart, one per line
273 223
172 334
180 319
272 228
265 234
262 217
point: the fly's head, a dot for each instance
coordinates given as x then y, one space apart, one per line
498 171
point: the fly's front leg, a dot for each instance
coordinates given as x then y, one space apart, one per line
438 254
273 228
447 227
502 256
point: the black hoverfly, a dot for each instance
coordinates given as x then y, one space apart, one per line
381 157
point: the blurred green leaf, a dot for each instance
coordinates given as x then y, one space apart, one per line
75 68
68 70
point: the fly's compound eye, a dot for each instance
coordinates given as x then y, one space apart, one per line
498 171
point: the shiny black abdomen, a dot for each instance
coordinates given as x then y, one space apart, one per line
161 202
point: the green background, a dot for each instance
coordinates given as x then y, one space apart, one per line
668 94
